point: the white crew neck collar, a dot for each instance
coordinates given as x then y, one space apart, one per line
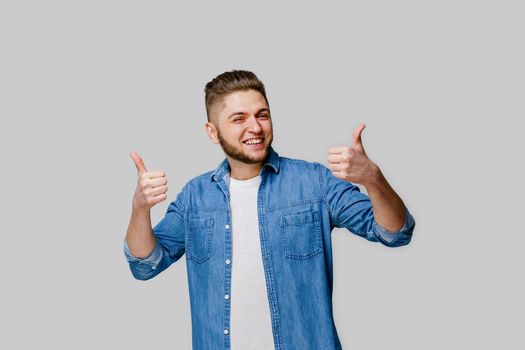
247 182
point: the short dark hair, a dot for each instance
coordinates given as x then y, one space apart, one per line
228 82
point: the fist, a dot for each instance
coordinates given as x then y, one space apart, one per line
351 163
151 185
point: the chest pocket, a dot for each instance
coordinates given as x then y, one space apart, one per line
199 239
301 235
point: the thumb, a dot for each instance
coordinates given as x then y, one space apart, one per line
138 162
357 135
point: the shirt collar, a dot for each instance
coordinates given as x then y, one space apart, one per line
272 161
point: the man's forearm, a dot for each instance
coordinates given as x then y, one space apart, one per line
389 209
139 236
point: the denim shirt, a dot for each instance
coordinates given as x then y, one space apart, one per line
299 203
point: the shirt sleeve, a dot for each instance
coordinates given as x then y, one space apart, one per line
152 260
351 209
170 242
397 238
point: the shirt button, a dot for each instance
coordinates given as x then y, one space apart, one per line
226 331
227 226
226 297
228 261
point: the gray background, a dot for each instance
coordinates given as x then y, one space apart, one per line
439 84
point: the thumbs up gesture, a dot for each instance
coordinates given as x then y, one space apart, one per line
351 163
151 185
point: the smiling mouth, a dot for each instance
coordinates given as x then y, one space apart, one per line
254 141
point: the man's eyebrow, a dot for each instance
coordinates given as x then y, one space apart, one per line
264 109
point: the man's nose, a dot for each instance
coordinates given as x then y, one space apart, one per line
253 125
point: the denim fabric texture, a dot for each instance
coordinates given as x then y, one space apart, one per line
299 204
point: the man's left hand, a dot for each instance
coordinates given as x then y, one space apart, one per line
351 163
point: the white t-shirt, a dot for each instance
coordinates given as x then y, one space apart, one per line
250 323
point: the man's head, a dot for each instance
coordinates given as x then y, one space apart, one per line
238 111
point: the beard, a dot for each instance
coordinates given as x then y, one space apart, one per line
237 153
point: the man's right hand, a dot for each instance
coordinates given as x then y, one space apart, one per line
151 186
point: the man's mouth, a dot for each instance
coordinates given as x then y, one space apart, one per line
254 141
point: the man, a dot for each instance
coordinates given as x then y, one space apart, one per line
257 230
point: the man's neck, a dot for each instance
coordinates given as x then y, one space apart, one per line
243 171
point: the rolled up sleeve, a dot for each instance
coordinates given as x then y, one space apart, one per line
398 238
152 261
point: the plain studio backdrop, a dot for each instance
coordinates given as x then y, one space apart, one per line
439 85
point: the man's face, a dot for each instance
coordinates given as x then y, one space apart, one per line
243 126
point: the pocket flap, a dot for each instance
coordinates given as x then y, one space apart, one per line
201 222
300 218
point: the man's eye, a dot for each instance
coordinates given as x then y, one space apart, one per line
264 116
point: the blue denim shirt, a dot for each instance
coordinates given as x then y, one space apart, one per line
299 203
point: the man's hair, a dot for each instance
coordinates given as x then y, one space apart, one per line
228 82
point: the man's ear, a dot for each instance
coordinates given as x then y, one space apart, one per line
212 132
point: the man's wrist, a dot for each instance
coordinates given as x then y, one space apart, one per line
375 181
139 211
